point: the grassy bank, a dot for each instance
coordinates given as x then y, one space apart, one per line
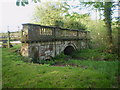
67 73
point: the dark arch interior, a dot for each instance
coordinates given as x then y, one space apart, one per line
69 50
35 55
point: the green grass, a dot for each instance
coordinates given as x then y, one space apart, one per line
95 54
85 74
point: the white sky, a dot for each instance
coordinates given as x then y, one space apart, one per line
13 16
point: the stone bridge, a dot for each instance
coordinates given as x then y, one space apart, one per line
45 42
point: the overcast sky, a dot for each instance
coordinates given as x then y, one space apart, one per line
13 16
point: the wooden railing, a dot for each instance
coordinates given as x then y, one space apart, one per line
14 36
35 32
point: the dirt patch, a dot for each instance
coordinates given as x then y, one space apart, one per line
73 65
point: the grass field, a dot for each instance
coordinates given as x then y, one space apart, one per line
59 73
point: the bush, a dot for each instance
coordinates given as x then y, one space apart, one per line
27 59
61 56
50 62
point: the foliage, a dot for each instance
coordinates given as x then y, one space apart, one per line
25 2
48 13
88 74
115 37
95 54
57 14
73 21
98 35
61 56
107 8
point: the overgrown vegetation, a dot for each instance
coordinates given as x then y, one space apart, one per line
96 67
104 32
63 72
57 14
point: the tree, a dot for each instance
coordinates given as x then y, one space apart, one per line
108 18
57 14
107 9
73 21
49 13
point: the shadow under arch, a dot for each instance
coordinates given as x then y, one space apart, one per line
35 54
69 50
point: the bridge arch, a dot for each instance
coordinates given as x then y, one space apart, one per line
69 50
34 54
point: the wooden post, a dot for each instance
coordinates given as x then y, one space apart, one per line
21 34
8 39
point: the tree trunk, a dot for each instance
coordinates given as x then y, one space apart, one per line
108 19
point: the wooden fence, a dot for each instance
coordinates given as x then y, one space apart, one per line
10 36
14 36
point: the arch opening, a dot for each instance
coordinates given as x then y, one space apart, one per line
35 55
69 50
